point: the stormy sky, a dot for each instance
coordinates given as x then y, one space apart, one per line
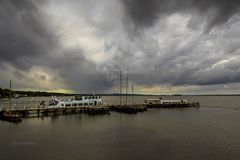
164 46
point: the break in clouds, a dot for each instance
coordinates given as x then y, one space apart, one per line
165 46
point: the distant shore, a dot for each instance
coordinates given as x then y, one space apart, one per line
4 93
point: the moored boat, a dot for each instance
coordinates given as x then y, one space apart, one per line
12 117
78 101
160 103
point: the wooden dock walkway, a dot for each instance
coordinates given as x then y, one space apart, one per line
27 112
93 110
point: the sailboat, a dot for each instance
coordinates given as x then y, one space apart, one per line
10 115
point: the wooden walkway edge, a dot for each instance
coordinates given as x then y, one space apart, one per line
93 110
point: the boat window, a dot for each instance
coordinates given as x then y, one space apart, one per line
85 104
67 105
74 104
78 97
80 104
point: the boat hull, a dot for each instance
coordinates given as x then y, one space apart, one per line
173 105
12 117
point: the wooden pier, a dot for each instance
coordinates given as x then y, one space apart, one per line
93 110
39 112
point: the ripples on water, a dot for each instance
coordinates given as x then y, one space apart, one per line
210 132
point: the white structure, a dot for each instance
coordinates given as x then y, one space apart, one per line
160 101
78 101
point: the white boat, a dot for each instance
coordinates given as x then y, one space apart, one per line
161 101
78 101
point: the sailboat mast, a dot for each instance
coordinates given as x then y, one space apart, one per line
10 95
132 94
120 88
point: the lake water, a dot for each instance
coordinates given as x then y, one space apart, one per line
210 132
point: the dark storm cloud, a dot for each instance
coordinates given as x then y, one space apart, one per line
159 53
168 47
79 74
23 33
184 73
145 13
204 59
28 39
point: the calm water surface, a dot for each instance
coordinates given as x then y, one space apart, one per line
210 132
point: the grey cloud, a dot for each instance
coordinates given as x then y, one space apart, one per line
145 13
78 73
27 39
23 33
176 64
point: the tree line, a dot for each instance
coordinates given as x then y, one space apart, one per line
5 93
